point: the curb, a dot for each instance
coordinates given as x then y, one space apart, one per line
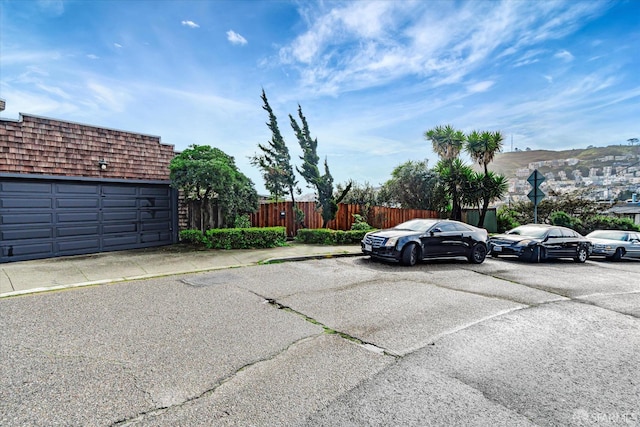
54 288
308 257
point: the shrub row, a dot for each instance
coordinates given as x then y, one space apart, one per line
237 238
596 222
324 236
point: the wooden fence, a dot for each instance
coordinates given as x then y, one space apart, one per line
281 215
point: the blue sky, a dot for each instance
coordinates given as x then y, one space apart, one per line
371 76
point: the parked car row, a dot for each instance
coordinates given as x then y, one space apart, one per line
420 239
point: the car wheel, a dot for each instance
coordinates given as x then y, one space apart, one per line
619 253
478 253
410 254
581 254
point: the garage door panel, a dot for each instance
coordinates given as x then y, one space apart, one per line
26 218
154 226
30 251
157 215
47 218
77 231
78 217
77 189
26 234
113 216
155 237
114 190
24 203
155 191
77 246
86 203
115 242
120 228
154 202
9 187
119 203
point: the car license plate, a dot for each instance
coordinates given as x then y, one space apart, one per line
367 247
497 249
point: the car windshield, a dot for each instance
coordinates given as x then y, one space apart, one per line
420 225
611 235
529 231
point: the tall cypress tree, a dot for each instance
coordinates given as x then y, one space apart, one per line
325 199
275 160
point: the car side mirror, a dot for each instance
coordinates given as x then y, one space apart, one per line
436 230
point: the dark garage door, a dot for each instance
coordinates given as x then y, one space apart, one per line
48 218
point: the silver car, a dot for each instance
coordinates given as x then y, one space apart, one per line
614 244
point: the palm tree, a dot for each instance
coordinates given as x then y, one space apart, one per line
482 148
447 142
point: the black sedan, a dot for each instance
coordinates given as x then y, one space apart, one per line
537 242
419 239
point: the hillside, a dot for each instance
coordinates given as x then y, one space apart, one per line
507 163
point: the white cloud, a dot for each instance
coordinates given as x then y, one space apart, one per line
114 100
117 45
190 24
54 91
369 44
235 38
563 54
92 56
480 86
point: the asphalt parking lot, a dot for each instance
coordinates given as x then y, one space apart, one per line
344 341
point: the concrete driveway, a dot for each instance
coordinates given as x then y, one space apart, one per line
343 341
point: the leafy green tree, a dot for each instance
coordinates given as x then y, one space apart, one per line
363 195
209 177
275 160
459 182
414 186
323 183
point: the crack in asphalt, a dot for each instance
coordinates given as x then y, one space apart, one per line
328 330
208 392
582 299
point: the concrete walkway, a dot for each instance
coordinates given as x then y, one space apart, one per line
25 277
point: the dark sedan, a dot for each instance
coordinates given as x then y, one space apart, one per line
419 239
537 242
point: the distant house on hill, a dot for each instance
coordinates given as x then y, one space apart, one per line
627 210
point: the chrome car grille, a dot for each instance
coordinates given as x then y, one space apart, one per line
375 241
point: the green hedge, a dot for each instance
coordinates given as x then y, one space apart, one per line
237 238
324 236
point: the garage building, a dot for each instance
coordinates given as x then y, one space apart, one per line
69 188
